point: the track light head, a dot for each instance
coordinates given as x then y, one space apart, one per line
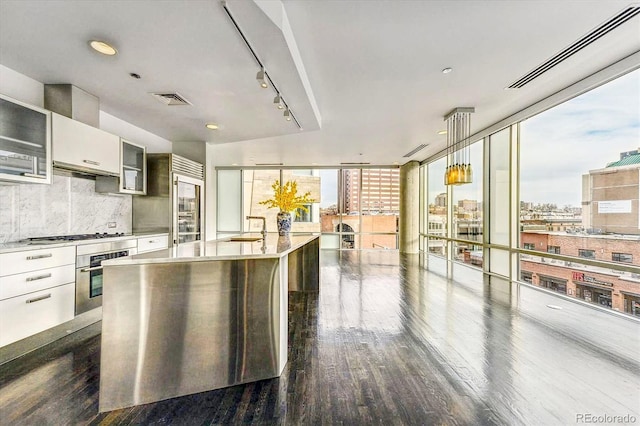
278 101
287 114
261 77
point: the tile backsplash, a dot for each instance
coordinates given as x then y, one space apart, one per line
69 205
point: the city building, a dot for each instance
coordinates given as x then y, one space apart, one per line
510 299
371 191
611 196
609 232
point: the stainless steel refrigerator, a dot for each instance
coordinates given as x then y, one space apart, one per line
175 199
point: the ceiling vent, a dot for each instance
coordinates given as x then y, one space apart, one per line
354 164
414 150
170 99
585 41
269 164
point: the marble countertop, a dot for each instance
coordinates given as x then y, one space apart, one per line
224 249
29 245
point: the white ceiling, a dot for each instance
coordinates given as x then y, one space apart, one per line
362 77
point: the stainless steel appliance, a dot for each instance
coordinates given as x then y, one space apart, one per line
89 258
175 199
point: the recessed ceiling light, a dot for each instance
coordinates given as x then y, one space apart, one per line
211 126
442 132
447 70
234 164
103 47
396 163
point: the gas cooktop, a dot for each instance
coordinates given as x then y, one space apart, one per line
77 237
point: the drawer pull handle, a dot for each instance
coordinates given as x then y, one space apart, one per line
151 241
39 256
39 277
39 298
33 175
95 268
95 163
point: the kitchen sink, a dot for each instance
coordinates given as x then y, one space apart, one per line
245 239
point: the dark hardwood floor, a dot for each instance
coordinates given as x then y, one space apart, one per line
385 342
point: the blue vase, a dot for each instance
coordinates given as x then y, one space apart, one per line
284 223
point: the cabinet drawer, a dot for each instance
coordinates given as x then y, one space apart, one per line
26 315
153 243
28 282
33 260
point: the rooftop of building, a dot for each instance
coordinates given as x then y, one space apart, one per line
627 158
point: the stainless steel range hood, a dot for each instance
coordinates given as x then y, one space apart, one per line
72 102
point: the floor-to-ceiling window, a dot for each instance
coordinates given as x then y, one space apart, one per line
579 216
467 222
456 226
353 208
435 229
561 199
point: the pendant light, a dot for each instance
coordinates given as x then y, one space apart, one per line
458 146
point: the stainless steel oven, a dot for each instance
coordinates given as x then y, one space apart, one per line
89 270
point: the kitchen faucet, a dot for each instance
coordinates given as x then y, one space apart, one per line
264 224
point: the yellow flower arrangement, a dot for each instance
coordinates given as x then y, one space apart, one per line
286 198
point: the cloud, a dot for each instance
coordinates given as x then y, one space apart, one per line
586 133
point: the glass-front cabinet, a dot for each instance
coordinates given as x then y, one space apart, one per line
133 174
25 142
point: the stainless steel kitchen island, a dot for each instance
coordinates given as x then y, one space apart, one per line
199 316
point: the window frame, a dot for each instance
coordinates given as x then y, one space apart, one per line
582 252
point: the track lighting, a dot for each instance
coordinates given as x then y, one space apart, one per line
278 101
261 77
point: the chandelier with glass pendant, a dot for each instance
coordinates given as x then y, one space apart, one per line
459 171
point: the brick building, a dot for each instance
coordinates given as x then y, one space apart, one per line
610 233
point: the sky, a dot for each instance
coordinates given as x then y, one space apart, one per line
586 133
328 188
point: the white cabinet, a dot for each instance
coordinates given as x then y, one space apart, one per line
37 291
29 282
157 242
32 313
25 142
133 172
133 175
78 146
33 260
